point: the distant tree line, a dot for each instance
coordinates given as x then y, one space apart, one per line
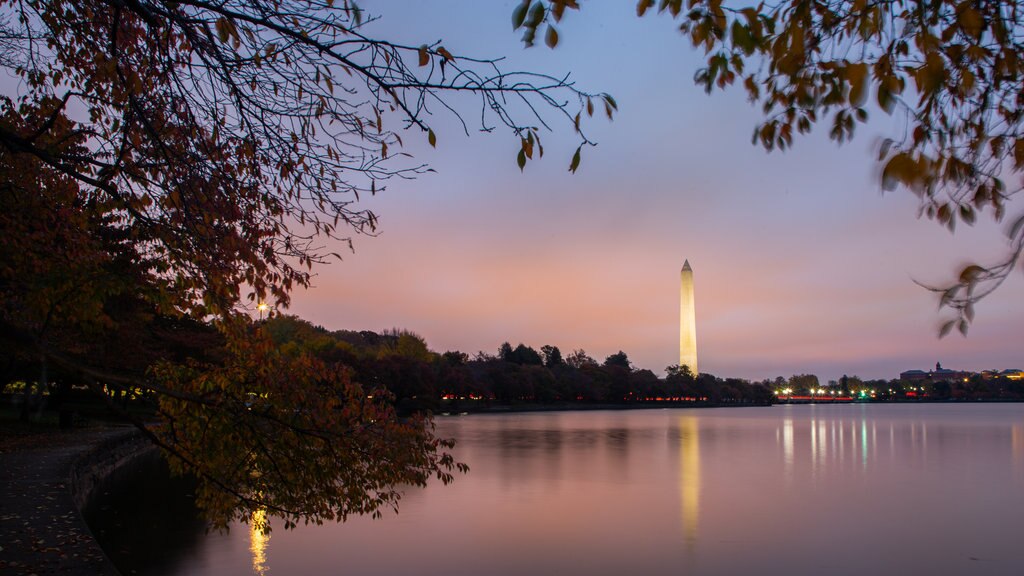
400 362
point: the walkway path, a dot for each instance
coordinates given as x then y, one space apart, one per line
41 529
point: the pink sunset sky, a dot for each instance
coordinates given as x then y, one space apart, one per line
801 264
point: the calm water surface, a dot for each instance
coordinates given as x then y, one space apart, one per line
796 490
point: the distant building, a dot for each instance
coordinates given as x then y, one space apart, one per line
1013 374
913 375
939 374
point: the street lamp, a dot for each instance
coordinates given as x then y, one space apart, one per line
262 307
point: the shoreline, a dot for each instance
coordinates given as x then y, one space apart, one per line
565 407
44 485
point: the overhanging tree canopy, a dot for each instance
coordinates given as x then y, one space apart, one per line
234 134
191 157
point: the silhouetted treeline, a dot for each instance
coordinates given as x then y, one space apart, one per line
401 362
418 378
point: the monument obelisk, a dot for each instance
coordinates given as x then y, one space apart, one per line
687 320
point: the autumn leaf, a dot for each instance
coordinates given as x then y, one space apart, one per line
551 37
575 161
519 14
857 75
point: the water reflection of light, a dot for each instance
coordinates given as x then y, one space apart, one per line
842 442
819 445
258 541
864 444
689 476
787 444
814 446
874 441
823 434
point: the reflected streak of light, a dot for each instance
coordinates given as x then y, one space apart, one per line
823 436
842 444
814 447
864 444
787 445
874 441
689 477
258 541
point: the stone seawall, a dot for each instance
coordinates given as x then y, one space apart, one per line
111 458
43 490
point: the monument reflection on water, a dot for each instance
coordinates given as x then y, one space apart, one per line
689 476
850 489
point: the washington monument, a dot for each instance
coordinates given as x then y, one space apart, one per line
687 320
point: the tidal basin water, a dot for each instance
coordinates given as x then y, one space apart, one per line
795 490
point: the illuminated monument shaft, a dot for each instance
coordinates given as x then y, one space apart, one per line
687 321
